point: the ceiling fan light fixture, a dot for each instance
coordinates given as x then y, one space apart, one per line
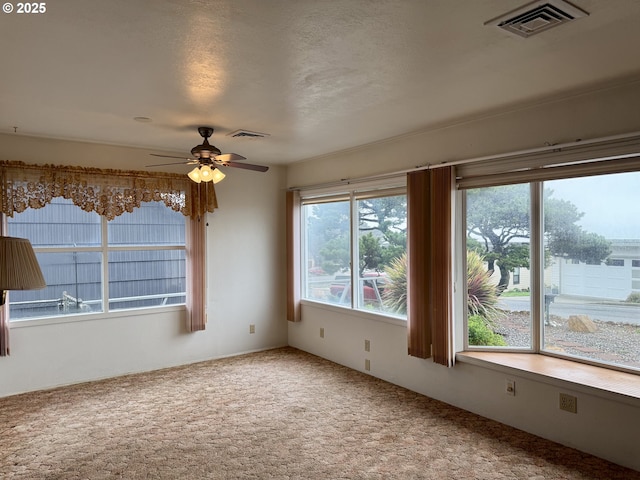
207 157
205 150
217 175
195 175
206 173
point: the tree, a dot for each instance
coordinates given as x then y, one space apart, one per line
382 222
498 228
370 252
383 214
328 233
335 254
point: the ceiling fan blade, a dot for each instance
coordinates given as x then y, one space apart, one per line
169 156
228 157
247 166
173 163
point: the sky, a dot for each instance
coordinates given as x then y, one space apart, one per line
610 203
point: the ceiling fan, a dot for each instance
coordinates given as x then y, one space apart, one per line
207 158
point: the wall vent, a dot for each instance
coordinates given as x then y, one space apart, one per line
536 17
247 134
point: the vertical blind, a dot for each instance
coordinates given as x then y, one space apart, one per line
430 277
293 256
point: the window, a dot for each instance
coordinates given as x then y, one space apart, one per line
498 232
582 304
516 276
369 227
143 251
615 262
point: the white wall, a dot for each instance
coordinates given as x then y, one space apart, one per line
245 285
604 425
607 112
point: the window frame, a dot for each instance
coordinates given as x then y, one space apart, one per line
104 249
351 193
536 272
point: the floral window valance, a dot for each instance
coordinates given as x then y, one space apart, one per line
107 192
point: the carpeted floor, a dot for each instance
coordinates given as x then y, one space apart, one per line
280 414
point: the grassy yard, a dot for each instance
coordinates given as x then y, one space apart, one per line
515 294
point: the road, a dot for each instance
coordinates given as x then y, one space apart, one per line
625 313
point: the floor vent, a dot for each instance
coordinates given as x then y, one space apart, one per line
247 134
536 17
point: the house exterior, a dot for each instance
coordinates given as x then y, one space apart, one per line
614 279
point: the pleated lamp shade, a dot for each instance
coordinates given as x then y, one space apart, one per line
19 268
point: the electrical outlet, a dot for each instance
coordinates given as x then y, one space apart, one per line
367 364
321 332
510 387
568 403
367 346
252 328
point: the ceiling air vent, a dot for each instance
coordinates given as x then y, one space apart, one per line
538 16
247 134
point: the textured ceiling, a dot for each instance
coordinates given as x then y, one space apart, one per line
318 76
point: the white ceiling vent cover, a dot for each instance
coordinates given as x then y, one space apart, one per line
538 16
247 134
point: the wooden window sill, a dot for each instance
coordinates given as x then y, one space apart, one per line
621 386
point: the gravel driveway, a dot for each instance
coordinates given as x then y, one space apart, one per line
612 342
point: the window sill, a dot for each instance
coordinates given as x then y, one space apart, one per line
97 316
603 382
378 317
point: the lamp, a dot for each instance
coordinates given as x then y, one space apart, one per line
205 174
19 268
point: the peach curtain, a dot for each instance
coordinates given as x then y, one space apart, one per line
4 309
4 329
107 192
196 274
430 285
293 256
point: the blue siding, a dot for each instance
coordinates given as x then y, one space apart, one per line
79 274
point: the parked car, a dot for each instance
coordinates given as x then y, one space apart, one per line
317 271
372 287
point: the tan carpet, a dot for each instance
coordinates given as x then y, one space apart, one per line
280 414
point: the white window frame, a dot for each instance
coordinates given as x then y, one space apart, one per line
351 193
604 161
104 249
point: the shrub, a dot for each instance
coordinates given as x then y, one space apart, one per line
482 298
482 295
481 334
633 297
394 296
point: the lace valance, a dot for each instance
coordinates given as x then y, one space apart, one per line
107 192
